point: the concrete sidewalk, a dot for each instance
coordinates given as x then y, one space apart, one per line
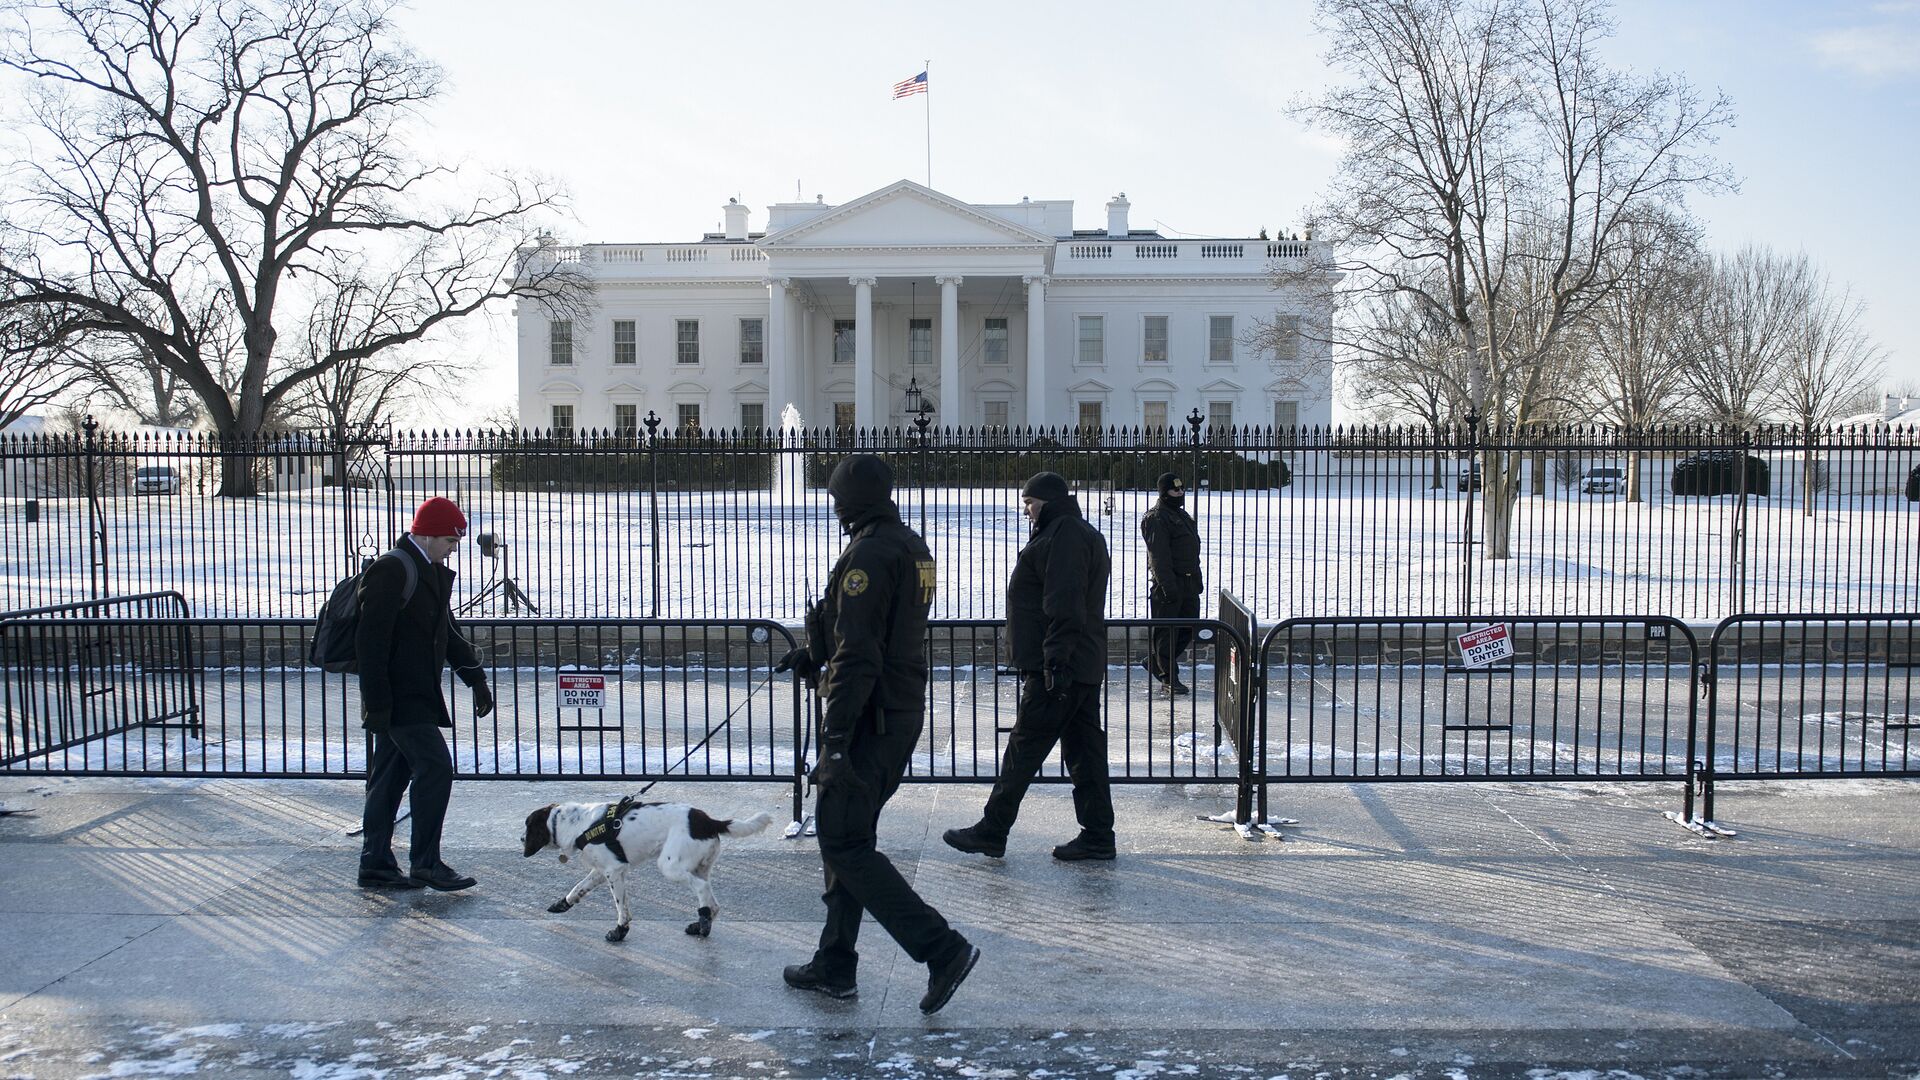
1465 931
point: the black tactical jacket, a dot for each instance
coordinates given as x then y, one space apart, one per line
1173 547
1057 596
870 630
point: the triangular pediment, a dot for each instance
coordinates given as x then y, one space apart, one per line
1089 386
904 214
1219 385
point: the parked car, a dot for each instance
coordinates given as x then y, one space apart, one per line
1470 474
1913 484
156 480
1603 480
1717 472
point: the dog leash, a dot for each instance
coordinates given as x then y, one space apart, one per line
715 730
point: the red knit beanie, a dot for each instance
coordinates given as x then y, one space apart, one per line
439 517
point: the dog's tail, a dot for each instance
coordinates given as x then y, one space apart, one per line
749 826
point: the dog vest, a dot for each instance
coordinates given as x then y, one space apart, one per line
607 829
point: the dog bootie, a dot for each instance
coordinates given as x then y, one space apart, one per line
704 925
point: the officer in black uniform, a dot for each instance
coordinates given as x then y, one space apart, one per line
867 644
1057 635
1173 560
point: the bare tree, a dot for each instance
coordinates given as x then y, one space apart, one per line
1404 359
36 345
127 377
1748 314
1638 335
1829 365
207 172
1493 164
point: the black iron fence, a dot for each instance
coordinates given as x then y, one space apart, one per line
1695 523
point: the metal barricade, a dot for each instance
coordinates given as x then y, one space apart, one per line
1803 696
1395 699
599 699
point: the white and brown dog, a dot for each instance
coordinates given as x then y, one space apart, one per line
608 836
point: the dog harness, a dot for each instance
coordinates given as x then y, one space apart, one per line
607 829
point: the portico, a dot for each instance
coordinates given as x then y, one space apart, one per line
920 278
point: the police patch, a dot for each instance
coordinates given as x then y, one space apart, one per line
854 583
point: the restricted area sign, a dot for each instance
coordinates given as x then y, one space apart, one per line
583 691
1487 645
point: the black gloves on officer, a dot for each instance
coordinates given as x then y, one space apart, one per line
834 769
482 699
1058 682
800 659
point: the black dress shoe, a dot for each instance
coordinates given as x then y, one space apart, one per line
444 878
386 879
808 977
1175 686
942 981
974 841
1080 848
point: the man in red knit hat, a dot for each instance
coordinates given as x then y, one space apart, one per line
405 638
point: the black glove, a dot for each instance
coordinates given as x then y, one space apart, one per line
835 769
799 659
482 700
377 720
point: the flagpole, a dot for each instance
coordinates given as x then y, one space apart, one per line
927 68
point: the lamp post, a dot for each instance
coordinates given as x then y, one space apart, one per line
917 405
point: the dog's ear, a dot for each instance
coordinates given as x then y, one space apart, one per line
539 832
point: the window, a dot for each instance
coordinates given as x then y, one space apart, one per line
1090 415
1286 415
1153 414
843 415
919 341
689 415
1219 417
1220 339
560 341
626 420
1153 345
687 339
753 349
996 412
626 348
1093 339
753 416
843 341
996 341
1286 339
562 420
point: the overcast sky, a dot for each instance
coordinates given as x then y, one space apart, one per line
654 114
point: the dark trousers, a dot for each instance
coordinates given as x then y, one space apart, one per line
861 879
1170 642
409 754
1074 723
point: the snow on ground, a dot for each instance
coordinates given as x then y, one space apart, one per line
1327 545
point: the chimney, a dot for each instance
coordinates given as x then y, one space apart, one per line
1117 217
736 219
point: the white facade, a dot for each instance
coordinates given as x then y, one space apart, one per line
1002 315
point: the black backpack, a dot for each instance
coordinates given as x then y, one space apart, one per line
339 620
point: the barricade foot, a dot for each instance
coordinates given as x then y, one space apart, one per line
1703 828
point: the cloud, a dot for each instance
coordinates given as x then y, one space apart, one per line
1874 51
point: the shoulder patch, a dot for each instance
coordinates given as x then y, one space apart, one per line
854 583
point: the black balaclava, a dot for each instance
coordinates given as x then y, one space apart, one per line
1167 480
860 485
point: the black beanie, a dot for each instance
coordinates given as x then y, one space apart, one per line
1167 480
1045 486
860 483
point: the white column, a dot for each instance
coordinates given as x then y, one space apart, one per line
863 414
778 343
1036 349
949 349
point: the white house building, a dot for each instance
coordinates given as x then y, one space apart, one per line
1003 315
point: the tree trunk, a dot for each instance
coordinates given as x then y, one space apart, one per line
1500 489
1633 476
1539 472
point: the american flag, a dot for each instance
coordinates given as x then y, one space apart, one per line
915 85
